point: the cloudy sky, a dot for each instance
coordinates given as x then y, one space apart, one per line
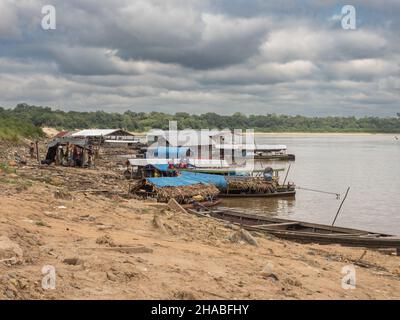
224 56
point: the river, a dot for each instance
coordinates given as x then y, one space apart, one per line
368 164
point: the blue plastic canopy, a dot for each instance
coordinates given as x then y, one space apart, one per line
189 179
171 152
161 167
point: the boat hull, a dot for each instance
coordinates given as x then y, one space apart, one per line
306 232
206 204
259 195
280 157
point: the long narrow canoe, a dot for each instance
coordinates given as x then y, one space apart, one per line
202 204
290 193
303 231
281 157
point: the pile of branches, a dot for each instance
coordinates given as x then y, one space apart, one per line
252 185
184 194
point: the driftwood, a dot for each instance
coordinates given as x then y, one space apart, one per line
175 206
243 235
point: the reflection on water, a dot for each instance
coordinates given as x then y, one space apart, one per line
267 206
369 164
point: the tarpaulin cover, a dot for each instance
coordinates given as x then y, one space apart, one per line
171 152
189 179
161 167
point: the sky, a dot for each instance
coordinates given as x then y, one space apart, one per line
223 56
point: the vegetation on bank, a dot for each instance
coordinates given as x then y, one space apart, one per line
13 129
31 117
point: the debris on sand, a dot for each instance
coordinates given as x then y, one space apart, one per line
158 223
103 227
267 273
62 194
243 235
10 251
111 276
106 239
183 295
73 261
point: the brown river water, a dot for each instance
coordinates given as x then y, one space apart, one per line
368 164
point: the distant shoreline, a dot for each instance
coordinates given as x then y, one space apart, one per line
326 133
259 133
52 131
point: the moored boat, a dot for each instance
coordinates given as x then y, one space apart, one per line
303 231
277 194
205 204
273 152
278 157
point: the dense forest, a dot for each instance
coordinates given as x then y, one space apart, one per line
23 120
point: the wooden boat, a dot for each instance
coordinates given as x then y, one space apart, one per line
287 193
279 157
206 204
304 231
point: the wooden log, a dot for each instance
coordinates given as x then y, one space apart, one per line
175 206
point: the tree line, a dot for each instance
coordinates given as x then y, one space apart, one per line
27 118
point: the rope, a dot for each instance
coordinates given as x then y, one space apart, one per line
321 191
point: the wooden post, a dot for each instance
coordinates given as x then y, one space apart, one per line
37 151
340 207
287 173
57 156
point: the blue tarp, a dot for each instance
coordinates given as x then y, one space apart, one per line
161 167
188 179
171 152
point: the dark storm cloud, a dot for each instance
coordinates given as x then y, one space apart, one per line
198 56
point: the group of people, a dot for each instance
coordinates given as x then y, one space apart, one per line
73 155
183 164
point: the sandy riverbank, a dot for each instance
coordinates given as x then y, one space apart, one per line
104 246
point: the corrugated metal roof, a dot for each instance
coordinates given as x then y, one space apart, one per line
94 132
121 141
62 134
145 162
199 163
